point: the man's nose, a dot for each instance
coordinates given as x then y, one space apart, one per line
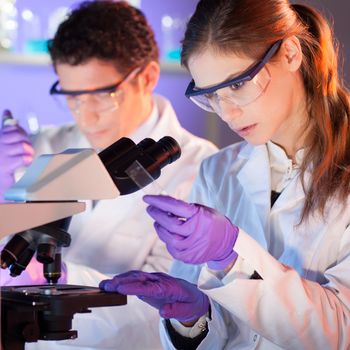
87 118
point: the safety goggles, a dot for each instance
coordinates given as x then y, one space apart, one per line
104 99
239 91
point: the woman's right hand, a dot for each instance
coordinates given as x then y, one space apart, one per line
173 297
193 233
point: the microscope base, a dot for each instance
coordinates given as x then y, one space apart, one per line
45 312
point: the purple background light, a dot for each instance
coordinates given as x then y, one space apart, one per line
24 87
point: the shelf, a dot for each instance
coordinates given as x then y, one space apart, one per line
172 67
24 59
44 60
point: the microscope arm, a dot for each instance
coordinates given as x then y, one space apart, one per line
75 174
18 217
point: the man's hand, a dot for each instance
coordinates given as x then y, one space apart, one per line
15 151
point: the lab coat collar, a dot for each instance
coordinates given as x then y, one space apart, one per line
279 161
255 178
283 168
292 194
279 158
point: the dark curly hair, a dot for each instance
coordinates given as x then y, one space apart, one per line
106 30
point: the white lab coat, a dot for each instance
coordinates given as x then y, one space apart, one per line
303 300
117 235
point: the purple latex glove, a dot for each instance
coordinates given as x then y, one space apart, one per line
193 233
15 151
33 274
173 297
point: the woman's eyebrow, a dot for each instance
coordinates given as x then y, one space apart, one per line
241 72
228 78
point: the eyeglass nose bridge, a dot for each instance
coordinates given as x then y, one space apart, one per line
76 103
239 101
76 109
225 99
227 109
91 103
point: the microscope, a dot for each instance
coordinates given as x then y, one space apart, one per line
37 218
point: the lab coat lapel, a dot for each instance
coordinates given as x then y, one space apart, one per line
255 180
255 175
292 195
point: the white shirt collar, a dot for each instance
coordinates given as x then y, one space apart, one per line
282 168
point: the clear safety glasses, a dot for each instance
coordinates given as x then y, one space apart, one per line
105 99
240 91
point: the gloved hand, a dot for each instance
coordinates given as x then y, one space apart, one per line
15 151
173 297
193 233
33 274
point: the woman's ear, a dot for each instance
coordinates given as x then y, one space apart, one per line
149 77
291 53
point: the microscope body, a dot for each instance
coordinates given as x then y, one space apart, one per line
54 182
42 203
37 219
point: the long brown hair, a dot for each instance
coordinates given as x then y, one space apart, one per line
249 27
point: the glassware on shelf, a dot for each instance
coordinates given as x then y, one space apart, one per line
135 3
35 34
56 17
33 38
173 28
33 123
8 24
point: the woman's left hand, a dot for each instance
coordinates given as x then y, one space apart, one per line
172 297
193 233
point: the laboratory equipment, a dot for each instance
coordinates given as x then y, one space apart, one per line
43 201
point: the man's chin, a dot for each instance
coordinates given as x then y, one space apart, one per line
99 145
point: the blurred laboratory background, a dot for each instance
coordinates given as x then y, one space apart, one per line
26 74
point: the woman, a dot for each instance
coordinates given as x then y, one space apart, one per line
97 52
275 263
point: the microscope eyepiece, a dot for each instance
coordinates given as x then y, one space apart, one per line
152 156
164 152
131 167
173 148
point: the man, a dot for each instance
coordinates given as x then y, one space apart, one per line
106 60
